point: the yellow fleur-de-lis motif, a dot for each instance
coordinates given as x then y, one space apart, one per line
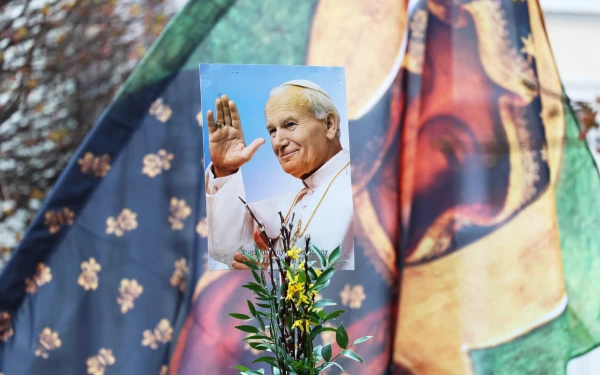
6 330
164 370
160 110
202 228
88 279
55 220
130 290
97 166
178 277
179 212
49 340
43 275
353 297
154 164
98 363
126 221
163 333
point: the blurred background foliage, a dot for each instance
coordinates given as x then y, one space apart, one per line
61 63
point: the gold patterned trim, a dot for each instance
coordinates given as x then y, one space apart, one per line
49 341
162 334
353 297
178 277
154 164
125 222
179 212
97 166
88 279
160 110
202 227
98 363
42 276
6 330
55 220
129 291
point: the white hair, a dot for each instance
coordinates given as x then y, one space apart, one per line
319 103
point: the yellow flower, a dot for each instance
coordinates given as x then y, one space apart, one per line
294 252
301 266
318 272
302 324
302 299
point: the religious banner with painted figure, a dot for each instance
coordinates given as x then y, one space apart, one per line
476 208
276 150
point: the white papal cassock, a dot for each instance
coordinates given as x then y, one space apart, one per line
325 203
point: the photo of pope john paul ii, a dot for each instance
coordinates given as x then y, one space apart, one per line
304 175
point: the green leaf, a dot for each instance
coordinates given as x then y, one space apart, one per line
266 359
325 276
350 354
263 305
301 277
257 337
335 254
258 345
239 316
317 354
250 256
324 302
331 329
252 308
327 365
338 262
254 287
313 275
287 267
242 368
256 277
326 352
319 255
334 314
258 254
322 313
320 287
276 371
252 266
341 337
362 339
249 329
260 322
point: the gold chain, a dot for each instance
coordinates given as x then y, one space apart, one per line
318 204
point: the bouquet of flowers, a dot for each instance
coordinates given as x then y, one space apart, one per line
289 313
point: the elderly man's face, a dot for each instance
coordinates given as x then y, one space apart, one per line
301 143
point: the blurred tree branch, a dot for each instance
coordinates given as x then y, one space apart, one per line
61 62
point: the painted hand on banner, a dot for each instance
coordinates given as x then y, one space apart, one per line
228 150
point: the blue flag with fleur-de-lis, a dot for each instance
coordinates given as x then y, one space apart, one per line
475 209
98 284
